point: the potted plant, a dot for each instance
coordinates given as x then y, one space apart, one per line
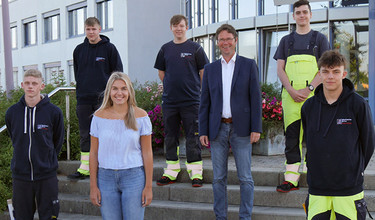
272 140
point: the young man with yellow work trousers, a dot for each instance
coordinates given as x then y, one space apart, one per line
297 57
339 135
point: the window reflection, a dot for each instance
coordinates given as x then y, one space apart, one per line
223 10
272 40
319 5
350 3
351 39
205 44
247 44
246 8
321 27
270 8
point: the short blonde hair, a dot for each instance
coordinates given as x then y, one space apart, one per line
34 73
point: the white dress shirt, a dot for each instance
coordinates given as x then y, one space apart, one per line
227 76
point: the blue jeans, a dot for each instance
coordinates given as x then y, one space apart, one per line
121 192
241 149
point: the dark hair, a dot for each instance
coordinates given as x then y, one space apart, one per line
300 3
92 21
226 27
332 58
176 19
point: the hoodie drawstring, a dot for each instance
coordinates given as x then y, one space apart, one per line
32 120
25 121
34 110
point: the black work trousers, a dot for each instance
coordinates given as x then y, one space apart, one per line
84 115
41 194
188 115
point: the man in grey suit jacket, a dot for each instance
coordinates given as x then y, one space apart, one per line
230 116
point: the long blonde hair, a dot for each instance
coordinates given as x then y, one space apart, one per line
129 119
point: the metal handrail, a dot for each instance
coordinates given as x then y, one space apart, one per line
67 115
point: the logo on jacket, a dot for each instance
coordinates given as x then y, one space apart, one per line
185 54
100 59
42 127
344 121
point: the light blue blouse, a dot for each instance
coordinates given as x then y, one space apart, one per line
119 146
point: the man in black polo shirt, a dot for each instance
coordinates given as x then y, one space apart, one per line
180 63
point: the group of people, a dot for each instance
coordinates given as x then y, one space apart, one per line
218 104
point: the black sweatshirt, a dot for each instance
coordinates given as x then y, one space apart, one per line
340 142
37 135
93 64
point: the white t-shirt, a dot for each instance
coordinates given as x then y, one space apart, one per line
119 146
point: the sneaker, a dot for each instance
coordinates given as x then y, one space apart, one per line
164 180
286 187
78 176
197 182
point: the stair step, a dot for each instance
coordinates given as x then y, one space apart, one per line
186 210
184 192
62 216
263 176
79 204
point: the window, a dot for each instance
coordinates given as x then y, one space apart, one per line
194 13
13 34
223 10
15 77
351 39
29 31
246 8
272 41
270 8
51 73
205 44
71 78
319 5
105 13
247 44
76 19
51 26
350 3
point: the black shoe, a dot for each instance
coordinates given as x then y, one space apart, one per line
164 180
286 187
197 182
78 176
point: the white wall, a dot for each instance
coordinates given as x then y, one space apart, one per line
140 28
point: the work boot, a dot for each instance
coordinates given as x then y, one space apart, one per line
164 180
78 176
197 182
286 187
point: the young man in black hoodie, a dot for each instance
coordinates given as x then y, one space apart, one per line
339 135
36 128
94 61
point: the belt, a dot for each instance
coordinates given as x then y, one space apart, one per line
226 120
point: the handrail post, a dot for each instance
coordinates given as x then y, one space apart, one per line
67 113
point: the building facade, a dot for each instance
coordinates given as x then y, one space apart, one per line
261 25
44 34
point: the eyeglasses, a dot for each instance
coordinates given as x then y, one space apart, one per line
225 40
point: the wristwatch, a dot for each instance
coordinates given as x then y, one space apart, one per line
311 87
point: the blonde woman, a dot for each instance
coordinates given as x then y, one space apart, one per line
121 161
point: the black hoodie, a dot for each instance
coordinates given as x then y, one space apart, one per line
339 140
37 135
93 64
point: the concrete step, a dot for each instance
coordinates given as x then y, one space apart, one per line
184 192
78 204
166 210
263 176
62 216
